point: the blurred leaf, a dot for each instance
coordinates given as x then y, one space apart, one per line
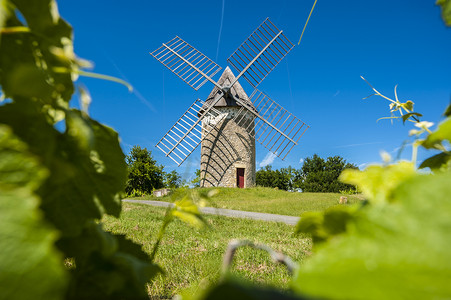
324 225
437 161
4 12
446 11
86 171
443 132
107 265
238 289
95 174
26 240
408 105
311 223
376 182
187 211
86 162
391 251
412 114
447 112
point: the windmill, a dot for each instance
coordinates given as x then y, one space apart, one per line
228 122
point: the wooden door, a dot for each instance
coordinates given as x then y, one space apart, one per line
240 177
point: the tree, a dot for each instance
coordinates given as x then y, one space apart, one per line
144 175
282 179
172 179
196 181
321 176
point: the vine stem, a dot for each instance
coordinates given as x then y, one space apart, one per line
276 256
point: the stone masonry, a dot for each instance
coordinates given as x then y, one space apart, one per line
230 144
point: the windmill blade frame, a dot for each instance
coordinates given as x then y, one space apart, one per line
189 131
188 63
274 127
271 125
260 53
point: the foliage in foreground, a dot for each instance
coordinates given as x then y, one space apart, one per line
191 258
392 246
60 171
446 10
55 185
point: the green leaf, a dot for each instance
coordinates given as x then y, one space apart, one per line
435 139
412 114
391 251
87 166
447 112
90 167
187 211
238 289
378 182
408 105
323 226
446 11
26 241
311 223
438 161
107 265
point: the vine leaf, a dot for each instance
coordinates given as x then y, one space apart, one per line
414 115
233 288
447 112
187 211
396 250
118 265
377 183
437 161
26 240
443 132
87 166
323 226
446 10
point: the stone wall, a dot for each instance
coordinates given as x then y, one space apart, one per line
228 147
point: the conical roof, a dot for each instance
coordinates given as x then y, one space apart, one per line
237 90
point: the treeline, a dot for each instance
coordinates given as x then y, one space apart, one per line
144 175
317 175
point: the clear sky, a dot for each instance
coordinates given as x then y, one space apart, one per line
389 42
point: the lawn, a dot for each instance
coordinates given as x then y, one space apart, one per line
268 200
192 258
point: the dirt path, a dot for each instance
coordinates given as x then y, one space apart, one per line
229 212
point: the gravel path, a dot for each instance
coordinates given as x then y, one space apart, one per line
228 212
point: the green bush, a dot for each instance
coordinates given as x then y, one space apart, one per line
321 176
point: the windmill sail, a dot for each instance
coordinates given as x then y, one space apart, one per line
260 53
186 62
188 132
273 127
263 119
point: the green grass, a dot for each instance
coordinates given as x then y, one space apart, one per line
269 200
192 258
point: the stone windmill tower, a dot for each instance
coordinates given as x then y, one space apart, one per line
228 152
229 122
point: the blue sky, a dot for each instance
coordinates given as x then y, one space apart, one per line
388 42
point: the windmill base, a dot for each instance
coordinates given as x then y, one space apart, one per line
228 154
